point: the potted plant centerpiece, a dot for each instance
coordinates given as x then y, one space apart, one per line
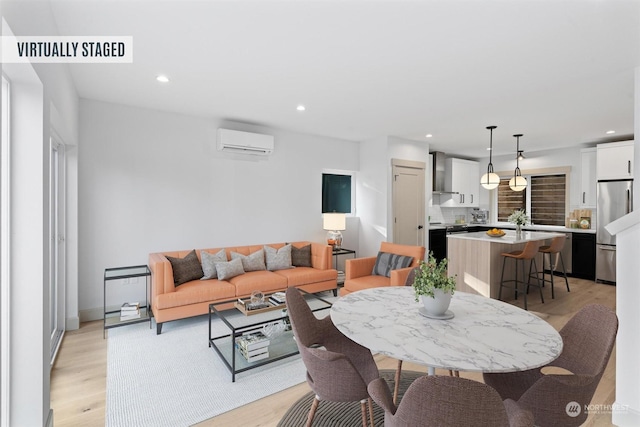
433 286
519 218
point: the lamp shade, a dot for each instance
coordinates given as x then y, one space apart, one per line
490 180
334 221
518 183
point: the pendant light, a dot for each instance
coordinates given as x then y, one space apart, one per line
518 182
490 180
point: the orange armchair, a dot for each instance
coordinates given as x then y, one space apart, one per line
358 271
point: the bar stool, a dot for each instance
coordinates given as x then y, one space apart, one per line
557 243
528 253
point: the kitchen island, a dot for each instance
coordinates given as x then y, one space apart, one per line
476 261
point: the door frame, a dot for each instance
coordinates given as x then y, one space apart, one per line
408 164
57 245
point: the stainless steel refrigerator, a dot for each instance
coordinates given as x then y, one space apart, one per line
615 199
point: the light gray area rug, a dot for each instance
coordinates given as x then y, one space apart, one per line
175 379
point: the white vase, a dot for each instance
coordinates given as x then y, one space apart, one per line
518 231
438 304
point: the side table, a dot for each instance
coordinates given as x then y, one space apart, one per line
336 253
111 319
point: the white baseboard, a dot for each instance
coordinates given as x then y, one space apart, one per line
625 416
72 323
49 422
91 314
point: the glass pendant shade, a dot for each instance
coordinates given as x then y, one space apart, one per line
518 183
490 180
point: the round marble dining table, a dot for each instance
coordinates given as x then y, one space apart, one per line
485 335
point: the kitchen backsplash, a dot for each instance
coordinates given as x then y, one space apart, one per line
448 215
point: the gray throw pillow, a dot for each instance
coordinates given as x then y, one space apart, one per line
186 269
301 257
209 262
252 262
278 259
385 262
229 270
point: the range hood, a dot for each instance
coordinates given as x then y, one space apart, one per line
438 169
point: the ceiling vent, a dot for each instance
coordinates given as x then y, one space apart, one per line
235 141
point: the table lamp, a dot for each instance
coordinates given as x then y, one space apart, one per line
334 222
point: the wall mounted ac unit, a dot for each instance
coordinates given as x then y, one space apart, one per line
236 141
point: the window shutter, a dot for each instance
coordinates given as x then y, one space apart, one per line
509 200
548 199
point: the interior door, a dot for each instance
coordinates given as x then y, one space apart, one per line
408 195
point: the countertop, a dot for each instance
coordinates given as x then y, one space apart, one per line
506 226
509 237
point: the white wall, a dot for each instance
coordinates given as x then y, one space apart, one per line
371 195
34 94
152 181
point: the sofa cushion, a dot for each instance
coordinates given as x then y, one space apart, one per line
209 262
196 291
230 269
186 269
278 259
252 262
385 262
301 257
265 281
306 275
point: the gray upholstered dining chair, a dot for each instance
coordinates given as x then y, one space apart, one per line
588 339
448 401
338 369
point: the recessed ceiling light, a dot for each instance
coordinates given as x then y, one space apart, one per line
300 108
428 135
162 79
610 132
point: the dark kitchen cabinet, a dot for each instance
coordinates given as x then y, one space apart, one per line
583 263
438 243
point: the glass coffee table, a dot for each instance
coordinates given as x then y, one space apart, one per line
239 325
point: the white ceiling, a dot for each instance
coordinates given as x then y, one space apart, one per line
560 72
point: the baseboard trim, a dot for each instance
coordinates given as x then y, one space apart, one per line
91 314
49 422
72 323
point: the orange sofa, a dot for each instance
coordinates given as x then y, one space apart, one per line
170 302
358 271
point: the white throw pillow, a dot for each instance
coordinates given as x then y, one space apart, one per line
278 259
252 262
209 262
229 270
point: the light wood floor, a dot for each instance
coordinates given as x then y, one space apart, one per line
78 378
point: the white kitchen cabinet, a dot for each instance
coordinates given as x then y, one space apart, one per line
463 177
588 178
615 160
